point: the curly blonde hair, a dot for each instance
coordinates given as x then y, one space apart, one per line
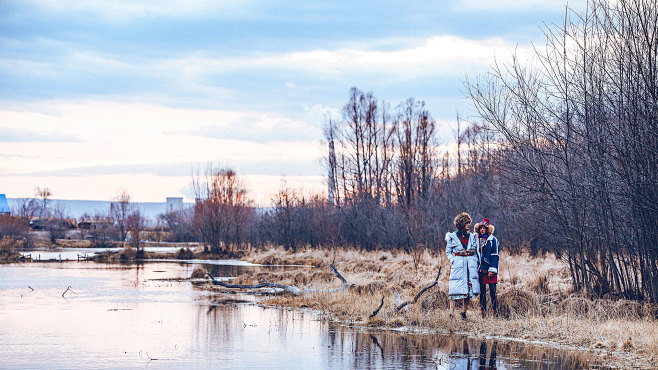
462 219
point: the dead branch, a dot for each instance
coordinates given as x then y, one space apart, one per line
404 304
339 276
286 288
375 312
68 289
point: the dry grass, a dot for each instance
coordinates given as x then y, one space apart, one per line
8 253
72 243
535 300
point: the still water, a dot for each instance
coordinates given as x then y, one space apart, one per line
140 317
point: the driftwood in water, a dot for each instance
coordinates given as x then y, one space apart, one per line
420 293
286 288
67 290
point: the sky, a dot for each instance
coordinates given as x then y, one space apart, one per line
103 96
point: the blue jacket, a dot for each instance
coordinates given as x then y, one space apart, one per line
488 261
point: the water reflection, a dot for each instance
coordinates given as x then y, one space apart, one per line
134 316
393 350
491 365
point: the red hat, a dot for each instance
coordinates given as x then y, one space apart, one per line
484 223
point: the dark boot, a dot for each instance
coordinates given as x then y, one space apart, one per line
483 313
463 315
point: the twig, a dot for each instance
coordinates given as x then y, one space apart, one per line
32 289
150 359
67 289
375 312
401 306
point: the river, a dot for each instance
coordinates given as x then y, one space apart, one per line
139 316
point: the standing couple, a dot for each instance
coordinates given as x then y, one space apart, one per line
474 260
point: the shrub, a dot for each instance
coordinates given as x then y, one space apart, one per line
198 273
13 226
185 254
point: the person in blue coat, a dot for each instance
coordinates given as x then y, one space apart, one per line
488 257
460 250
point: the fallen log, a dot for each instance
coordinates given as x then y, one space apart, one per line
420 293
286 288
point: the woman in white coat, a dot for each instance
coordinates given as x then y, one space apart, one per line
461 251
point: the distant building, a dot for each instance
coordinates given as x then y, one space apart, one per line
174 204
4 206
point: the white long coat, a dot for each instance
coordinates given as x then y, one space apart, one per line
463 268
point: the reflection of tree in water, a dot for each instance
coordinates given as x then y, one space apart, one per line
217 326
358 349
226 330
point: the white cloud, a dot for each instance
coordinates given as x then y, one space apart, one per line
442 55
437 56
205 79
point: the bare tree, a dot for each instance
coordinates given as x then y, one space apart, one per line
120 209
135 224
223 210
181 224
43 194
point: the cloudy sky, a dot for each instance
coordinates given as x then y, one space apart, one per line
101 96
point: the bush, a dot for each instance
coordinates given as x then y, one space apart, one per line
13 226
185 254
198 273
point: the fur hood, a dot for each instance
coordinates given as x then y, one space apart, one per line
490 229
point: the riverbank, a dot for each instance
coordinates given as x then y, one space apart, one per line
536 304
